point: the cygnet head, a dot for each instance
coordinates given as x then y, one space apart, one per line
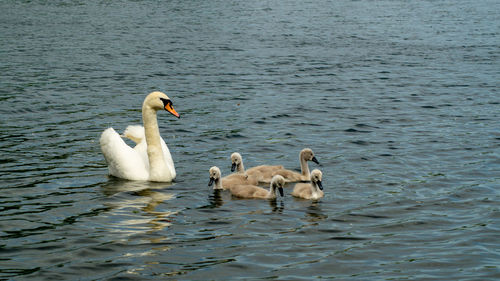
236 160
278 182
308 155
157 101
316 177
214 175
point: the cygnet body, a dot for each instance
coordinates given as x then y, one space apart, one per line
262 173
312 190
256 192
228 181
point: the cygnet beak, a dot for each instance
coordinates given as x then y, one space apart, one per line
315 160
233 167
211 182
320 185
280 189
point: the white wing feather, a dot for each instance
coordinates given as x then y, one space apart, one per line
123 161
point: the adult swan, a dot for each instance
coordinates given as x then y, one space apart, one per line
150 159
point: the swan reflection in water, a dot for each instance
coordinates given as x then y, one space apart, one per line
125 199
215 199
314 212
275 207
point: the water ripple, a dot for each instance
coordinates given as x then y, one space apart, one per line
398 100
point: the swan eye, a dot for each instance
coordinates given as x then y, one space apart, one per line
166 102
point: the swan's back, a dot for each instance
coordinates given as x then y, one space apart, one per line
123 161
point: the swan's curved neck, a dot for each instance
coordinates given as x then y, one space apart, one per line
304 168
157 168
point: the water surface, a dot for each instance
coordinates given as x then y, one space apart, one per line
398 99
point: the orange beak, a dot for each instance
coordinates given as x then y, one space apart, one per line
170 108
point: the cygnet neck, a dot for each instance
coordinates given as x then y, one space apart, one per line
304 167
240 168
315 187
272 191
218 184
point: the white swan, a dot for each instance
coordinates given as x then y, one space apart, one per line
313 190
150 159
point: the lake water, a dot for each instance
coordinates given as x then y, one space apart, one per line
398 99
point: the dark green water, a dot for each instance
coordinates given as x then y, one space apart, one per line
398 99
